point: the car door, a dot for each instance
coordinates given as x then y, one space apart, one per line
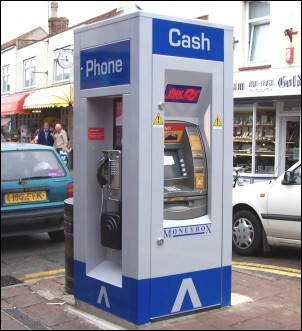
284 209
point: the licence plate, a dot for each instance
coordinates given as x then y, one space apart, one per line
25 197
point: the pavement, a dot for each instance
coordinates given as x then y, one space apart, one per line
259 302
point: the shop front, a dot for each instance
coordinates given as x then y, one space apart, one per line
52 105
267 119
11 110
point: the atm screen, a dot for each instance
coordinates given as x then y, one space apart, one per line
171 164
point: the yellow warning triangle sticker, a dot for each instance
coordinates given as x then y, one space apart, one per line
158 120
217 122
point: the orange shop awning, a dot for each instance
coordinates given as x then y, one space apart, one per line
13 104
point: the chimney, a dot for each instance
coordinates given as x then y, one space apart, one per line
56 24
54 9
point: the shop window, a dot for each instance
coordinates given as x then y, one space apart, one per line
243 137
30 73
265 141
254 138
258 21
292 106
5 82
27 124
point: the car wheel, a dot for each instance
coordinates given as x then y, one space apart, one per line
57 236
247 233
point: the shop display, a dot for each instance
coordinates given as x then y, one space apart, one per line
254 141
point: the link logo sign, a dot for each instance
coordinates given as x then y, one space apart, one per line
106 65
182 93
188 40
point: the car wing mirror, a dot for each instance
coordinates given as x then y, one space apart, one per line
288 178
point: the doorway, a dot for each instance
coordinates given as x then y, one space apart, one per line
290 142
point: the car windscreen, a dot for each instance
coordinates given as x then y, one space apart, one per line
30 164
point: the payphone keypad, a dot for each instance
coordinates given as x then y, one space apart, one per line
114 169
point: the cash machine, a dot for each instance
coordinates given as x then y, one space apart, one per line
185 188
153 167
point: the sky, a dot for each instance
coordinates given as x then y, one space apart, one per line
18 17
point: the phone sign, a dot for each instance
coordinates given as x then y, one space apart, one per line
105 65
96 134
182 93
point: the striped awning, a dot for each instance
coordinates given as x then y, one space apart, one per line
60 96
13 104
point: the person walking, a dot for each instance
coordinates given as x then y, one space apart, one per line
60 139
36 136
45 137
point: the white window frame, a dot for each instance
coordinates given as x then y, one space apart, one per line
251 23
32 68
5 76
56 66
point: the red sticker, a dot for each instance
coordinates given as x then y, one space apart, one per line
174 126
95 133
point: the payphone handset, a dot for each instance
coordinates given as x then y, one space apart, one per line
109 174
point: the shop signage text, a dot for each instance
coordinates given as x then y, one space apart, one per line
274 82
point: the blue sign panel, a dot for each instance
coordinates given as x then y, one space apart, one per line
188 40
107 65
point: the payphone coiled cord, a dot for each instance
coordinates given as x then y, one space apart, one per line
102 204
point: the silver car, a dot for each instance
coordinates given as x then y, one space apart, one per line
268 214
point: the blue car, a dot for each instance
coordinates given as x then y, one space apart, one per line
34 184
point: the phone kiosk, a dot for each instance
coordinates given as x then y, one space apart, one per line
152 167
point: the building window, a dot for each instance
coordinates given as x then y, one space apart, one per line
29 73
60 74
5 79
258 18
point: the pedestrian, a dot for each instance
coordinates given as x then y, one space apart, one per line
60 139
52 126
45 137
36 136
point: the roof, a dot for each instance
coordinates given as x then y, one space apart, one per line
24 36
102 17
13 146
112 13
